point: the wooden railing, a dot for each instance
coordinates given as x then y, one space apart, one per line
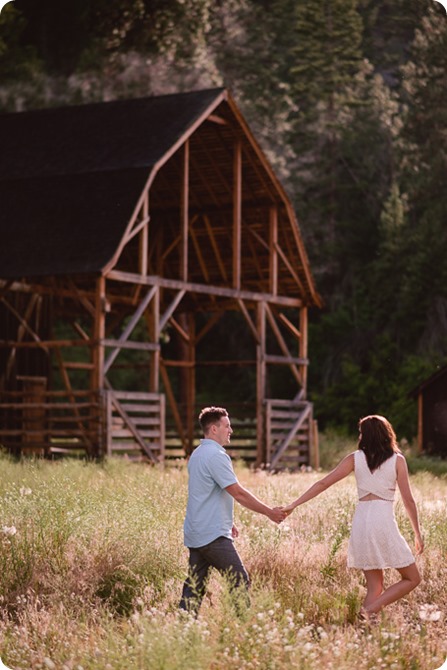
55 421
292 436
135 424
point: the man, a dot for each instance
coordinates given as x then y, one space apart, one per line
209 529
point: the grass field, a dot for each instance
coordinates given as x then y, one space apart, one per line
92 565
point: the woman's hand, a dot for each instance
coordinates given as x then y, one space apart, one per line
288 509
419 544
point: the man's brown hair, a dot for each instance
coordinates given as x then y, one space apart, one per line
209 416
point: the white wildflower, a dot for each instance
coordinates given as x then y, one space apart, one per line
9 530
430 613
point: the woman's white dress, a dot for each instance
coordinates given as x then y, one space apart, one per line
375 541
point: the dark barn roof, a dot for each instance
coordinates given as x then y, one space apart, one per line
73 179
82 168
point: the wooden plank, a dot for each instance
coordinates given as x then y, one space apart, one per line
290 268
298 423
184 213
219 291
73 365
129 328
262 435
172 402
129 422
126 432
293 329
248 319
215 247
171 309
109 413
303 347
286 360
143 240
420 423
129 344
273 236
237 213
75 405
44 344
137 395
282 342
153 328
82 298
134 407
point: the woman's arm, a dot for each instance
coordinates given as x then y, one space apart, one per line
343 469
403 482
251 502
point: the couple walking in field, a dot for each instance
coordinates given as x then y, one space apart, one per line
375 542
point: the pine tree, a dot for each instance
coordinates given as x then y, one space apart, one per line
423 294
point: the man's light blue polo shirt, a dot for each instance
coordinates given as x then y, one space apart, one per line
209 512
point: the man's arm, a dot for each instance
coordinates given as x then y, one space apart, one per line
251 502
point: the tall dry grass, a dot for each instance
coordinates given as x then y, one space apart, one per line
92 565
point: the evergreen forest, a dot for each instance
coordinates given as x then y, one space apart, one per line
348 98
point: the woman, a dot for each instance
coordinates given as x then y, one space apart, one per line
375 542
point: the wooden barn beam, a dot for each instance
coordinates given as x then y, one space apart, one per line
173 403
420 422
290 268
143 241
248 319
293 329
99 329
152 320
261 382
82 298
73 403
215 246
198 210
237 214
259 239
171 309
129 328
273 237
23 328
192 287
303 346
44 344
184 213
283 346
80 331
216 167
215 118
187 376
183 334
203 265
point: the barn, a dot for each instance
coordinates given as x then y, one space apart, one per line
431 395
131 232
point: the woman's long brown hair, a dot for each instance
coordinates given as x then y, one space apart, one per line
377 440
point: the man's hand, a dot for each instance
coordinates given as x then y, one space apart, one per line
277 514
234 533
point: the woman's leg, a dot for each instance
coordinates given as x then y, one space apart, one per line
374 586
410 579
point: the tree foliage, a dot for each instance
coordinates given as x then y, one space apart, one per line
349 100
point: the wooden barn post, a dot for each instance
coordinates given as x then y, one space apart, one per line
261 371
303 347
97 377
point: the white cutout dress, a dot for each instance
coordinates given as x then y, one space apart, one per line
376 542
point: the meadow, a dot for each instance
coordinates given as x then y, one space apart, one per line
92 564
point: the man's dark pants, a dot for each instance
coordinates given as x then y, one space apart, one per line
222 555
